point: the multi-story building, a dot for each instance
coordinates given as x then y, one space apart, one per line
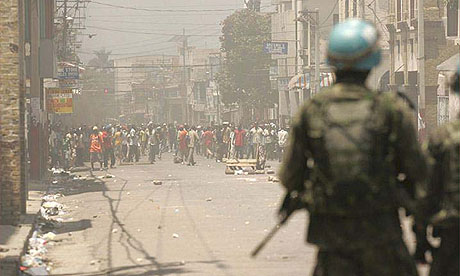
440 41
204 64
292 72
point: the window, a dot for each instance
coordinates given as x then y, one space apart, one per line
355 8
287 6
452 18
347 8
398 48
412 9
411 45
398 10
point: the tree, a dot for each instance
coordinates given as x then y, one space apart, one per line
244 79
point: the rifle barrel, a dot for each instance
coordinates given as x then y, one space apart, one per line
264 242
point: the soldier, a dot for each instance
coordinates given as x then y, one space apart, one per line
353 161
442 204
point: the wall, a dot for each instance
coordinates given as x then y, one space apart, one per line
12 198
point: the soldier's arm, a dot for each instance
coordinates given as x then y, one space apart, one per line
412 173
411 165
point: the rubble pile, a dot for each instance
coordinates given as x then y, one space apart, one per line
34 261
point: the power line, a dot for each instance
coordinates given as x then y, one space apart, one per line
139 32
332 11
156 23
161 10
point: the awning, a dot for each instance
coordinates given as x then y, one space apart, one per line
450 64
303 80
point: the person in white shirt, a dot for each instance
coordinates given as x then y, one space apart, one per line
283 136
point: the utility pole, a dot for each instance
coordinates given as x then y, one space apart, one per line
218 92
317 52
64 30
421 54
296 38
184 50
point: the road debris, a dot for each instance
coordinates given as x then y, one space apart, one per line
209 199
175 235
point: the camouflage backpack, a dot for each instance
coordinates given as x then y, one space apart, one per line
347 161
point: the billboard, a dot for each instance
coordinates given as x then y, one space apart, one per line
67 73
276 48
59 100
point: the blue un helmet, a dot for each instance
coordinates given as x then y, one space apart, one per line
353 45
456 80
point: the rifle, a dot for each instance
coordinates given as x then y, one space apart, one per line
291 203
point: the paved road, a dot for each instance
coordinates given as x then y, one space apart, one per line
198 222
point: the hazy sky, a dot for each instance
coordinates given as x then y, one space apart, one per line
129 32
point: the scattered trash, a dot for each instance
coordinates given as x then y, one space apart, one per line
175 235
52 197
4 249
138 230
273 179
157 182
246 222
139 260
238 172
209 199
55 182
95 216
159 227
114 230
176 210
106 176
50 236
270 171
128 193
37 271
93 262
182 262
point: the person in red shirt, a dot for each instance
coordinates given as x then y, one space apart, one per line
95 148
240 133
107 147
208 137
183 146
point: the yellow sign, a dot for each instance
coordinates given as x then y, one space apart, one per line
59 100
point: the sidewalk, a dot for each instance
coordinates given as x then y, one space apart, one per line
13 238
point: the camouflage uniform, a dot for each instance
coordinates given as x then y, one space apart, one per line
351 152
443 201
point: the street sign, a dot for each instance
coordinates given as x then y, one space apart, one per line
276 48
68 73
59 100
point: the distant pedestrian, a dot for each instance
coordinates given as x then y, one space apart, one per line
107 147
95 149
282 143
193 142
240 133
182 141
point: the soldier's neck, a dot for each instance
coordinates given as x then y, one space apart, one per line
352 77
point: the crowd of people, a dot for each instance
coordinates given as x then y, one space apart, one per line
115 144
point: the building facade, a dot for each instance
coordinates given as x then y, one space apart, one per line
440 42
295 24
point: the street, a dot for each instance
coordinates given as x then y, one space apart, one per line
198 222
